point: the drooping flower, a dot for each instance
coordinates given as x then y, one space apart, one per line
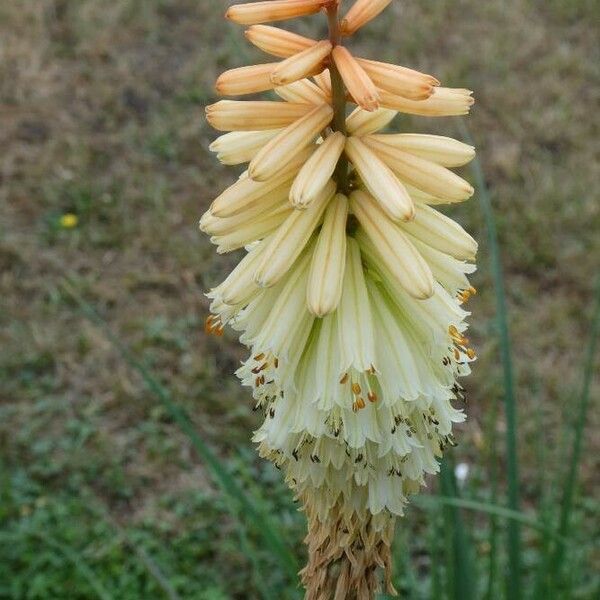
349 295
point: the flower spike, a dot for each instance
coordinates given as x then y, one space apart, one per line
350 293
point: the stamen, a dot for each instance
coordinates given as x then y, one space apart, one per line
372 396
344 379
356 389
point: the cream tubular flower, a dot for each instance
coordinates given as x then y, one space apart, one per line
245 192
235 115
349 296
438 149
290 240
323 80
303 91
301 65
317 170
361 13
326 274
277 42
272 10
359 85
399 80
239 147
395 250
246 80
251 231
362 122
380 181
440 232
289 143
425 175
443 102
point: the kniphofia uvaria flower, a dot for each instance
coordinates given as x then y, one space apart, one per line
350 293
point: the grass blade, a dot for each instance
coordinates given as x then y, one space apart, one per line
459 555
433 503
571 479
510 408
435 556
232 491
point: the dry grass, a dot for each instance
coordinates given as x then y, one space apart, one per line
101 114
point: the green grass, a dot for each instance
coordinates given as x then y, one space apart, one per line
126 469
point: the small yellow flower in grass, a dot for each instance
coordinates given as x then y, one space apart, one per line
68 221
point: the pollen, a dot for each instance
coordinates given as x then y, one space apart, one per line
213 325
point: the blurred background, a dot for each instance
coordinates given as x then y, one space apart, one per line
126 467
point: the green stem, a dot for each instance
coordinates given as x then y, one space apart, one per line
338 93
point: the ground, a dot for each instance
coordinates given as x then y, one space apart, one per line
101 117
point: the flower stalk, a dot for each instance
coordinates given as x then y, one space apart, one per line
338 94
